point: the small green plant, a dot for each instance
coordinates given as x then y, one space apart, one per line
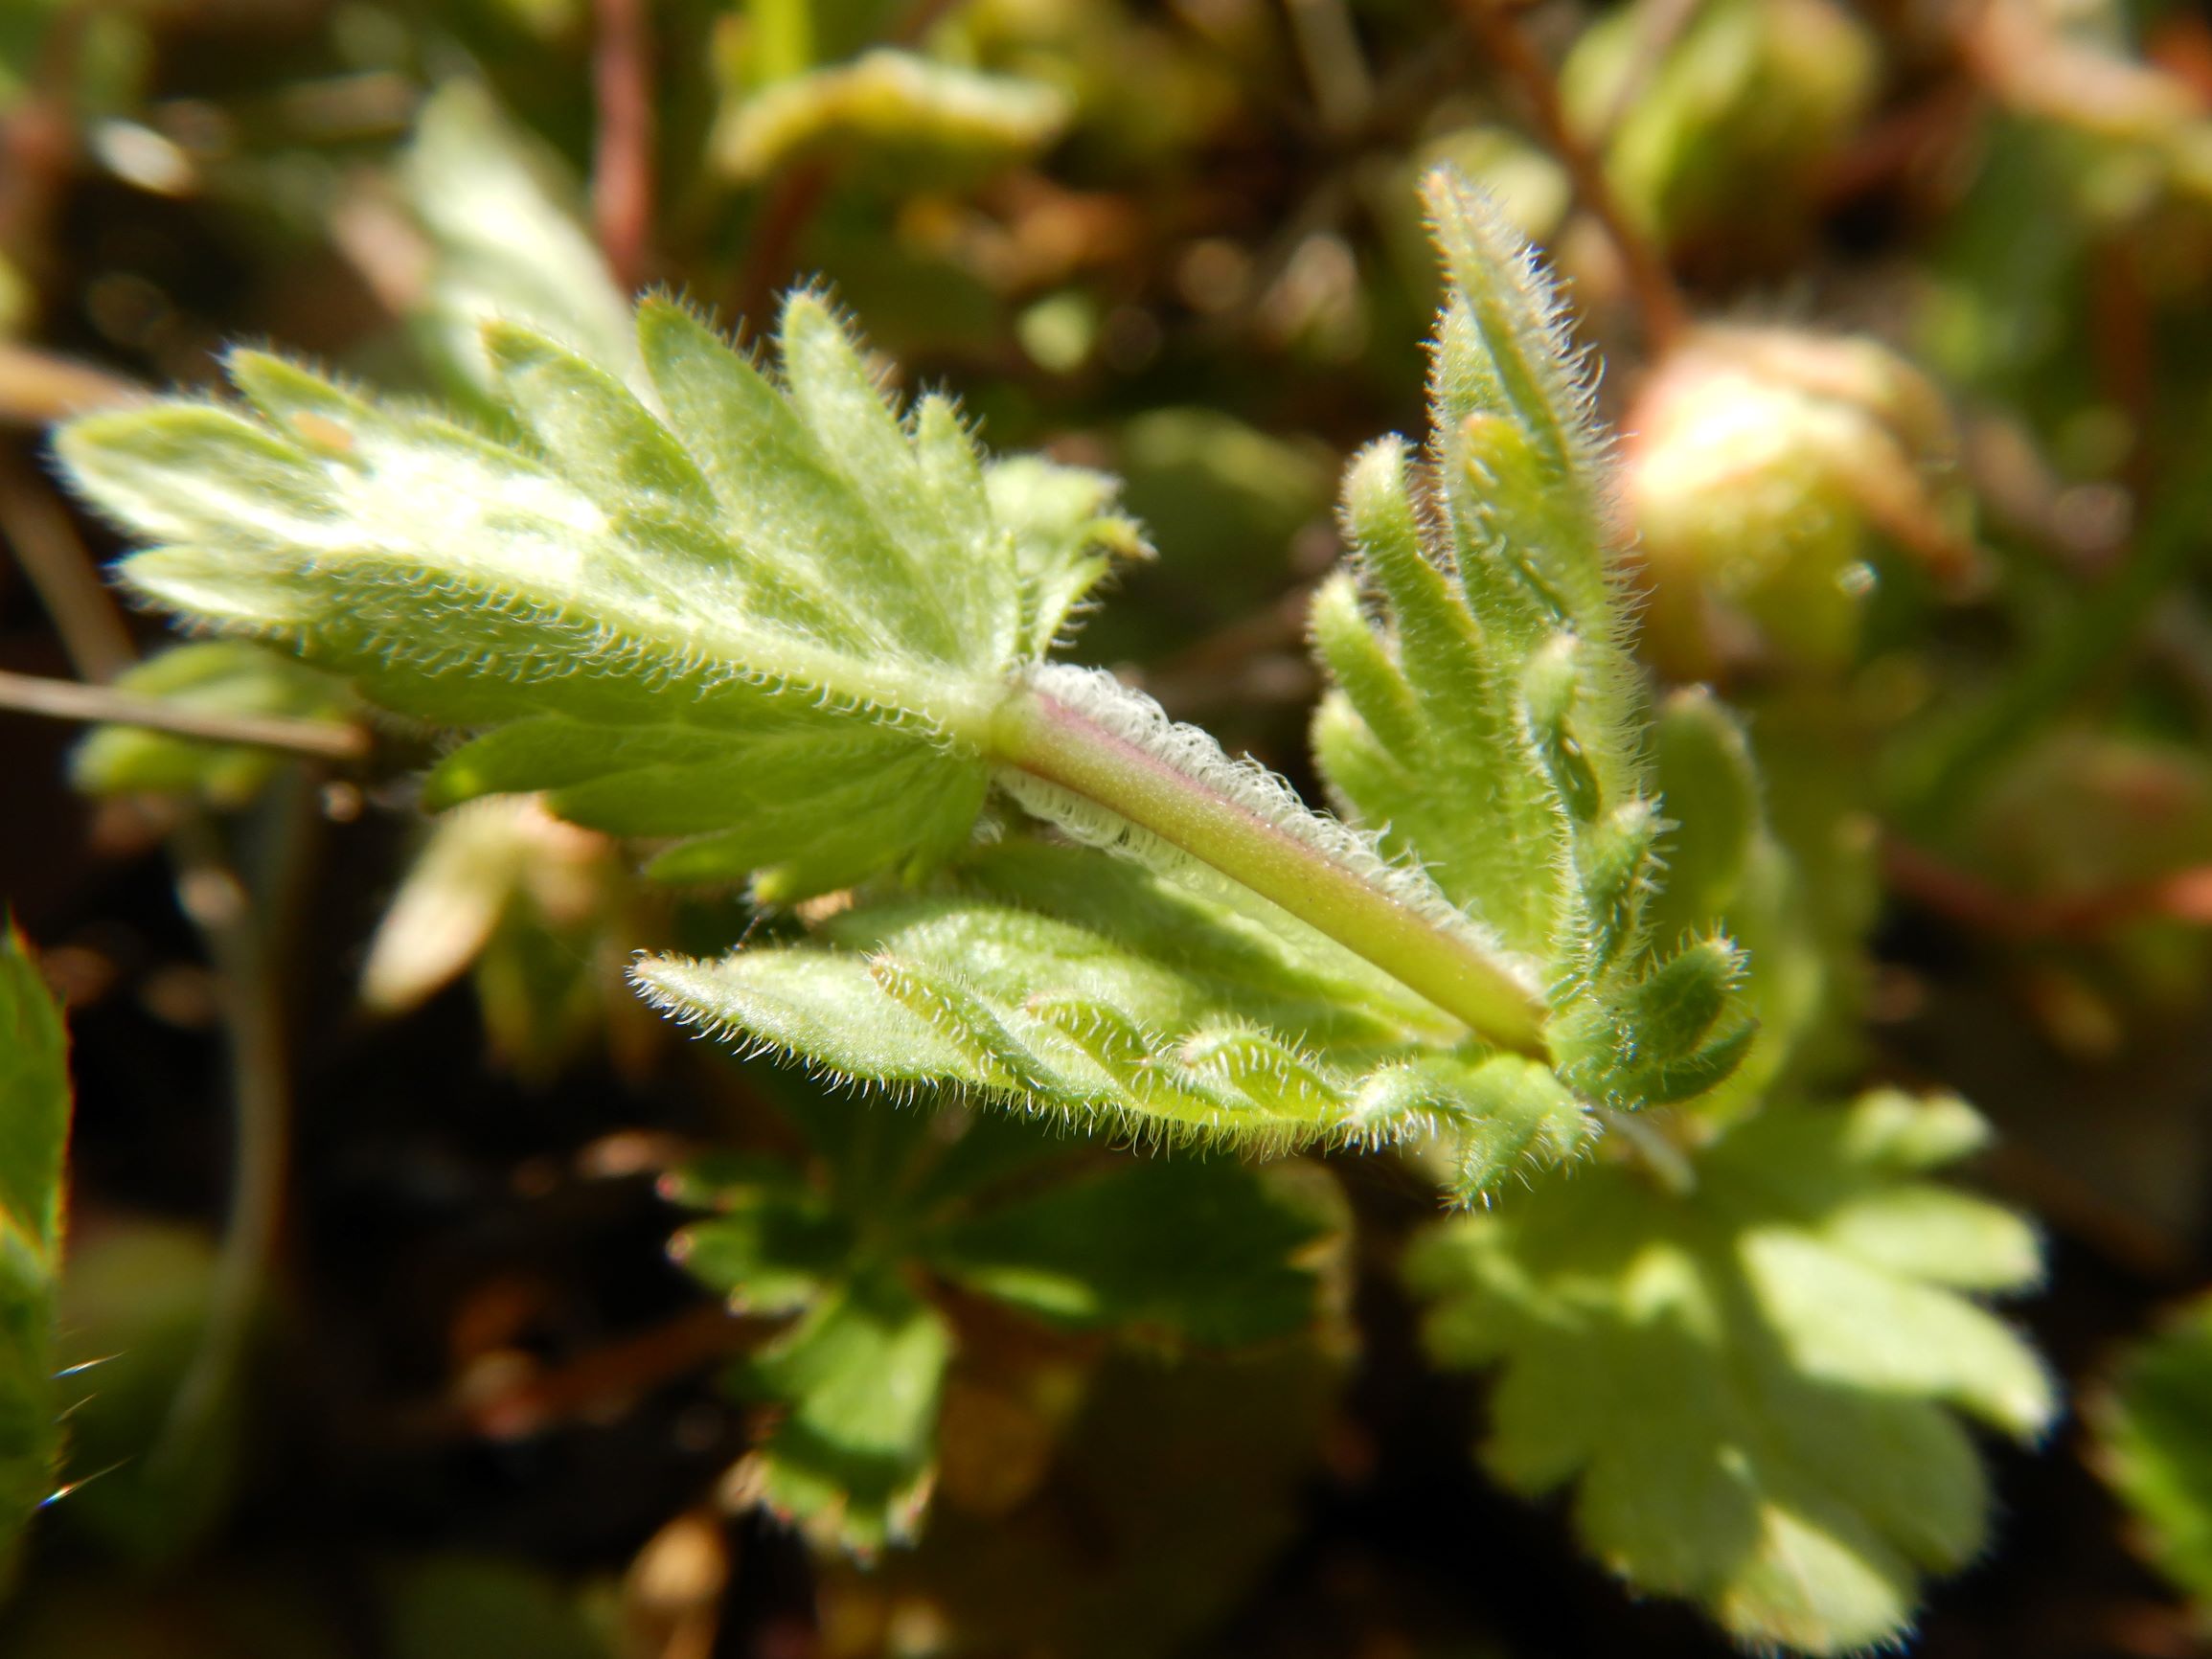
800 643
782 632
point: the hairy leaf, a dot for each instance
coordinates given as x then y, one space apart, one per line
1484 716
1754 1385
768 619
783 632
1064 986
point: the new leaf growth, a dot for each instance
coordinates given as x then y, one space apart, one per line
784 632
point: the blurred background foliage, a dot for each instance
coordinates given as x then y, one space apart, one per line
1907 313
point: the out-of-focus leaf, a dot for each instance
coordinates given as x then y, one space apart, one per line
34 1104
133 1305
456 1606
2154 1445
1754 1384
1178 1245
894 109
774 1244
208 677
537 909
1173 1488
1180 1252
1224 500
1733 121
506 243
858 1381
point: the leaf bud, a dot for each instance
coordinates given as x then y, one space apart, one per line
1763 469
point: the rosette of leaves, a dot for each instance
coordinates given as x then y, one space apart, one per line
861 1245
781 633
1753 1378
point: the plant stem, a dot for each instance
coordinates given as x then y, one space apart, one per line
1047 738
260 1149
1659 302
38 386
73 700
240 949
622 163
36 529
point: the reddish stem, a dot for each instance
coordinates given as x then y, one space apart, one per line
1658 300
622 168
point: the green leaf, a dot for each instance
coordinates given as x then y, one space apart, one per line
1755 1386
34 1104
1484 716
2153 1445
506 242
774 1243
134 1307
893 107
1067 537
894 1204
1057 983
1183 1247
858 1378
645 598
210 676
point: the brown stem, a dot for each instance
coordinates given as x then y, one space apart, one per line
792 206
1658 302
74 700
621 1369
798 195
2181 896
238 950
621 168
1662 26
47 547
38 386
